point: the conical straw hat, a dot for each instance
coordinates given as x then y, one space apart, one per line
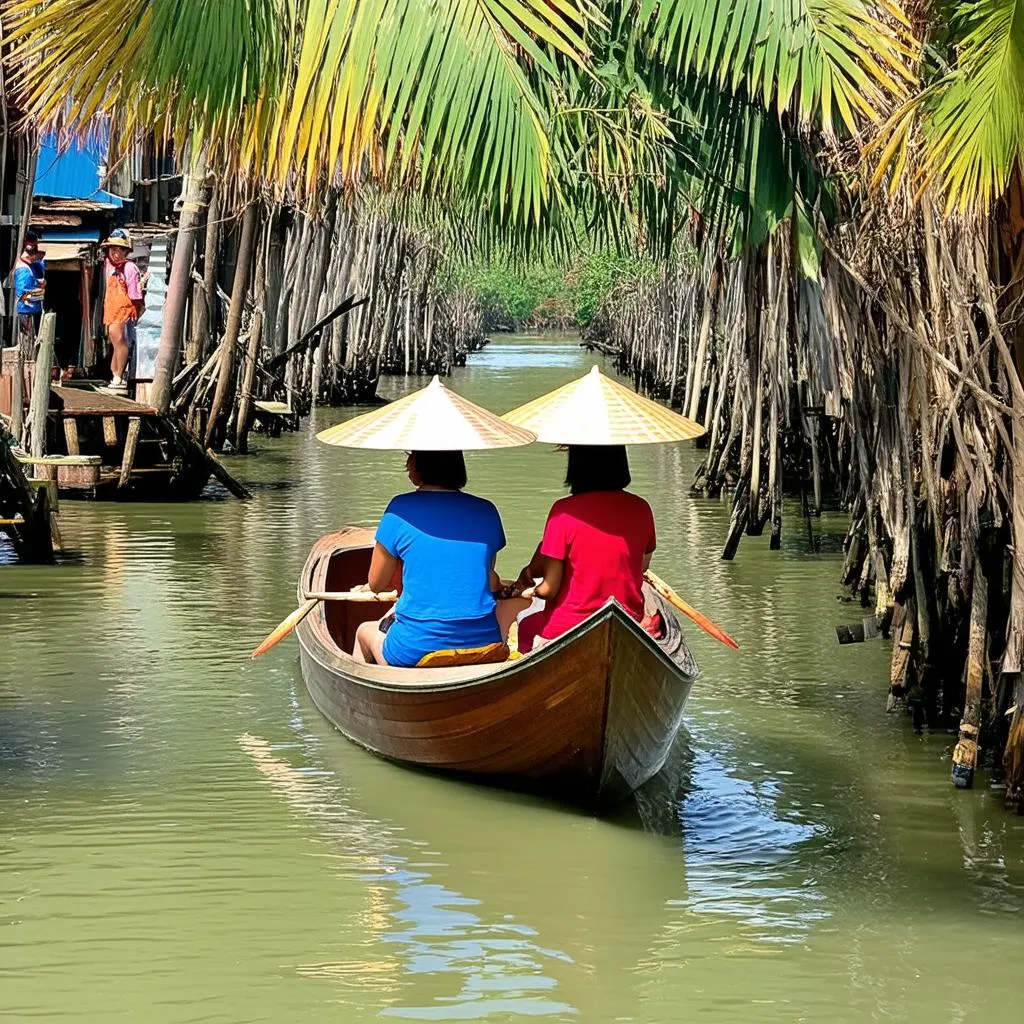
431 419
598 410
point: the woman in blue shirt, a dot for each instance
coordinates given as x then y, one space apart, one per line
29 285
443 543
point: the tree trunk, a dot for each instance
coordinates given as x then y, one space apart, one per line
196 197
204 297
239 286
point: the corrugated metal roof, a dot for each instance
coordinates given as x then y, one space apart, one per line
150 325
74 171
57 252
42 204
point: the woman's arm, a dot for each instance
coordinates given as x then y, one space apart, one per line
383 567
550 571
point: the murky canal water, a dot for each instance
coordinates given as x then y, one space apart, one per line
183 838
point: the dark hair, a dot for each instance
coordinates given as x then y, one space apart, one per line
597 467
441 469
31 236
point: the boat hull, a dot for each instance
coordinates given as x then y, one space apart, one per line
589 718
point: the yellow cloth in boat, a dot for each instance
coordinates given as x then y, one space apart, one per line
489 655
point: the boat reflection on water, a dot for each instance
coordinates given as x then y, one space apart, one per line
528 933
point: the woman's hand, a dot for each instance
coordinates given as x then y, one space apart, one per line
362 588
525 580
514 588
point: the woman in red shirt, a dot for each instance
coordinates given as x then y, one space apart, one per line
597 544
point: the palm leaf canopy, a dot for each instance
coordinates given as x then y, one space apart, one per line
755 90
971 114
303 93
828 64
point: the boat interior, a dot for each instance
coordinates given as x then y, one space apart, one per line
348 568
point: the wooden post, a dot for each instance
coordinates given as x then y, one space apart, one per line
109 431
196 195
248 381
71 435
18 393
41 386
965 754
131 441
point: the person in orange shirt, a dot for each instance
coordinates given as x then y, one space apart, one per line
123 304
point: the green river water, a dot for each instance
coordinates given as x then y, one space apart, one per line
184 839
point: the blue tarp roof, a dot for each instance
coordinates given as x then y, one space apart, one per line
69 235
73 173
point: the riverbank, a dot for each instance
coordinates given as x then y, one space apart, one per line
173 804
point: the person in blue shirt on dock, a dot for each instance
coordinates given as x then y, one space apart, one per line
30 286
442 544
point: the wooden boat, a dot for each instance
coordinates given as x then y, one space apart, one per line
590 717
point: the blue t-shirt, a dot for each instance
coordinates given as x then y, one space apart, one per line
447 542
27 277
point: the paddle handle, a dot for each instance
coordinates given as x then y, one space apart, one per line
352 595
286 627
699 618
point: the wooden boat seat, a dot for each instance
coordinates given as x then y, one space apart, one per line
491 654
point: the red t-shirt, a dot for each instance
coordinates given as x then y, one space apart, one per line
602 537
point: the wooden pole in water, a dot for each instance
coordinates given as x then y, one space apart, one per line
41 386
965 754
248 381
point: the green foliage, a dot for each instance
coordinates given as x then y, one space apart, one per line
512 295
544 294
594 275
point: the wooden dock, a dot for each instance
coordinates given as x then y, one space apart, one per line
105 446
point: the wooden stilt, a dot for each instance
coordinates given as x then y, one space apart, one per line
965 754
130 444
109 431
902 650
71 434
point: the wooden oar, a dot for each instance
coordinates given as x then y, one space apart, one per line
352 595
310 602
687 609
286 627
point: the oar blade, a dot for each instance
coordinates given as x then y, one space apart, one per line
712 630
285 627
699 618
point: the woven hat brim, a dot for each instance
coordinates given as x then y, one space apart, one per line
596 410
431 419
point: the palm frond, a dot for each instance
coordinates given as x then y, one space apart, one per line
974 116
824 62
304 93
